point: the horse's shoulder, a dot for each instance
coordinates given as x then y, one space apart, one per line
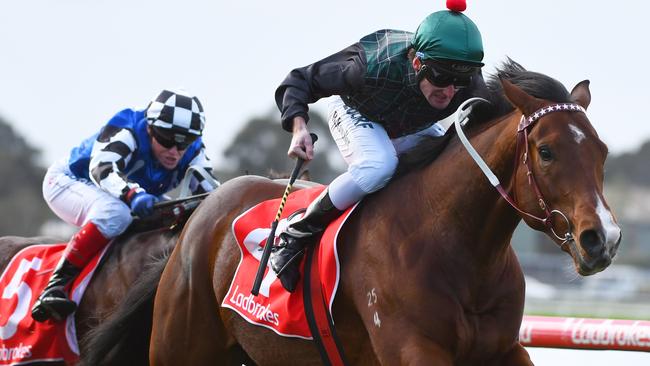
247 188
246 181
298 184
234 197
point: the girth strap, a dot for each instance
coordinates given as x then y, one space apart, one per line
318 316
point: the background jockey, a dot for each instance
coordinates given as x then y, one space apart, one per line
134 159
391 86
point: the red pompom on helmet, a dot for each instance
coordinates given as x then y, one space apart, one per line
456 5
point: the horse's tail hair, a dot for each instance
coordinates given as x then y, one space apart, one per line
123 338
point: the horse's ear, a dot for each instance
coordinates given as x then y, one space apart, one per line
527 104
581 94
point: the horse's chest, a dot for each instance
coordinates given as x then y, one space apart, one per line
486 334
491 313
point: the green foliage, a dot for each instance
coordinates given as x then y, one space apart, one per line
21 200
261 147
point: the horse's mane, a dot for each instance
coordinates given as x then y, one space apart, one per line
533 83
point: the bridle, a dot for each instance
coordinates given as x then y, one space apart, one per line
525 124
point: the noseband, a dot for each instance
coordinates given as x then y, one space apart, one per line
525 124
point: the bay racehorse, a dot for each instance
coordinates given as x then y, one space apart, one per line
130 257
433 246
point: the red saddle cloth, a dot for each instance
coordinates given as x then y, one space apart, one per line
276 308
23 340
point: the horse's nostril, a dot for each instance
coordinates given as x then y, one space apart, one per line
592 242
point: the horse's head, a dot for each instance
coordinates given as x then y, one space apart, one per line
560 176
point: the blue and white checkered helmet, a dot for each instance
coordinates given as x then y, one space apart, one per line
177 111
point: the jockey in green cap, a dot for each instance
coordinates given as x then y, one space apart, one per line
449 35
391 88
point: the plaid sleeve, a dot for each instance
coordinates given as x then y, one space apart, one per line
338 74
199 184
111 153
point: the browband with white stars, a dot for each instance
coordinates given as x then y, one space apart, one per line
569 107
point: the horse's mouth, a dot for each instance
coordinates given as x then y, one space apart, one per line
587 266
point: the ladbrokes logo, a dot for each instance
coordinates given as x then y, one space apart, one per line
248 304
20 352
607 334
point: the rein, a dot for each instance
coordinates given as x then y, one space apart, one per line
460 119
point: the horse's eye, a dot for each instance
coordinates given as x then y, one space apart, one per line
545 153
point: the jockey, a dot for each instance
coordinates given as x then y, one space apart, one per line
391 88
125 168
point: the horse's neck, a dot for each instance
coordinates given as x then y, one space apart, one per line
474 217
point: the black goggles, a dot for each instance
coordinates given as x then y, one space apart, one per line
444 75
169 139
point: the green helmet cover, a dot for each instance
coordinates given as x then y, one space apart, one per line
449 35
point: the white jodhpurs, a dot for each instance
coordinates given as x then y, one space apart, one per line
371 155
78 201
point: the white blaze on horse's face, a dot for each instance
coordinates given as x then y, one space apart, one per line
611 229
577 133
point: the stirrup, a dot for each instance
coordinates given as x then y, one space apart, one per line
56 308
57 311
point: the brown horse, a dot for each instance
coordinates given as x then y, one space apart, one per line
129 258
448 289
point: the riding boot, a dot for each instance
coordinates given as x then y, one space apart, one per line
53 303
286 255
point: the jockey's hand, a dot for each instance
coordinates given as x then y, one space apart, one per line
301 144
142 204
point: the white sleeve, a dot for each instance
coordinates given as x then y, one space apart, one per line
111 153
199 184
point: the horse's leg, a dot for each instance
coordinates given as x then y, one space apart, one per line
400 344
422 352
239 357
517 356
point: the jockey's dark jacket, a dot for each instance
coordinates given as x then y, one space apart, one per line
373 76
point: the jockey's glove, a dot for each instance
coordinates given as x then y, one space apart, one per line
142 204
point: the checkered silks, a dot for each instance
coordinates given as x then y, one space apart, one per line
178 111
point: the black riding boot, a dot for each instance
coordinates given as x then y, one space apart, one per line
287 255
53 302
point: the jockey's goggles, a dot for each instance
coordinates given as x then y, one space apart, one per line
444 73
168 138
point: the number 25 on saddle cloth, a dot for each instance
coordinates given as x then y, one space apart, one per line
23 340
274 307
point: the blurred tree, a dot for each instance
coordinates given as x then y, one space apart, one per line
631 168
260 148
21 201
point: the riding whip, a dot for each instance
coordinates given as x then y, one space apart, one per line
269 241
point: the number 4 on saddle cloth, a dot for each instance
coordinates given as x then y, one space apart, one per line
22 339
276 308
